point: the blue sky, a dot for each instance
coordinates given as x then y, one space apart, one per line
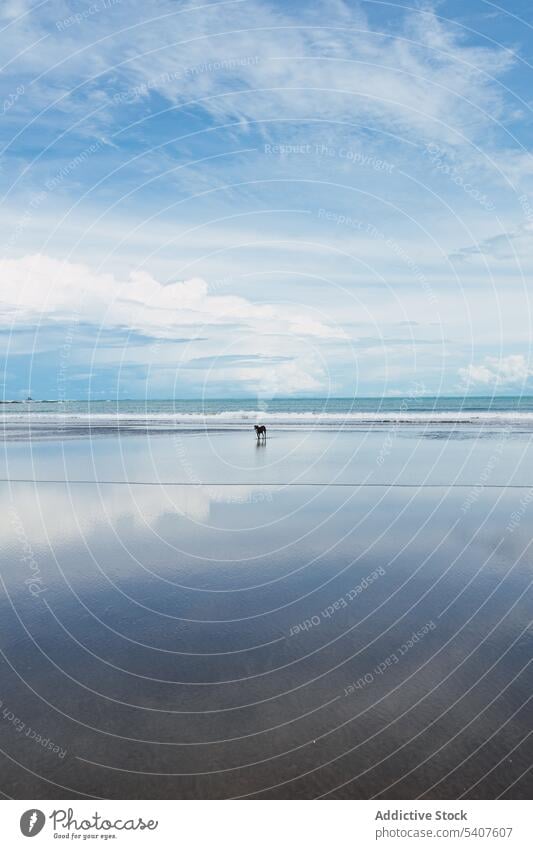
246 198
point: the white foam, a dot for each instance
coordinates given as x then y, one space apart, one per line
246 418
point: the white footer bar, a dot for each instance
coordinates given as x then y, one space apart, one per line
266 824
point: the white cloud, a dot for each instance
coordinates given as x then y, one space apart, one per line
37 288
283 379
249 61
60 516
503 371
422 78
219 341
514 245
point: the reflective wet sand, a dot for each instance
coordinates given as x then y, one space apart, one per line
250 638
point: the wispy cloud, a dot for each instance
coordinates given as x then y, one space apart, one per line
247 61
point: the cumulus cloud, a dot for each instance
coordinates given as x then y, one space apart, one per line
513 369
284 379
37 288
221 342
264 376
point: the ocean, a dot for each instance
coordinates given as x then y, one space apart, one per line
216 414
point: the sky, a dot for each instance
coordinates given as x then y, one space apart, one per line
251 199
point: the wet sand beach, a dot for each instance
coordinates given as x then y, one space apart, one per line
337 614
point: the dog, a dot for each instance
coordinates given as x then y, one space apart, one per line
260 431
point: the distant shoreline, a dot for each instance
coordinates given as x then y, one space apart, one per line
249 399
